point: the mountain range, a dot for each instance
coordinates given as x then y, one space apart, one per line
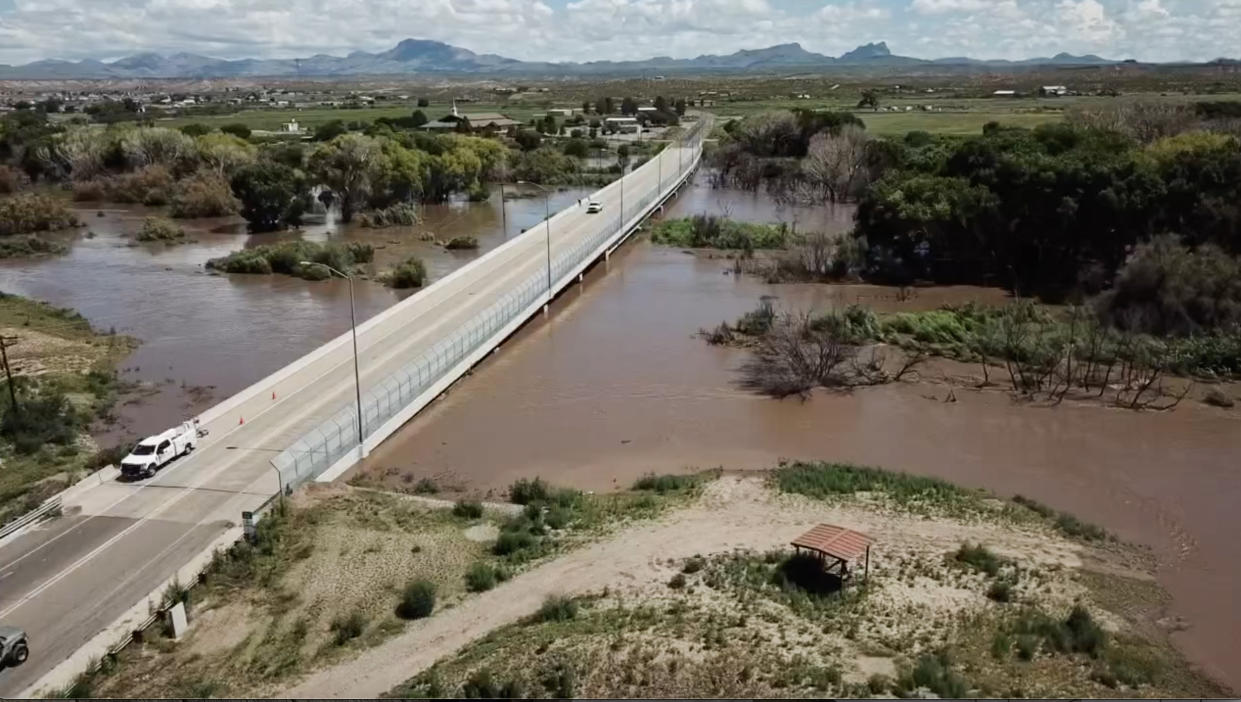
426 57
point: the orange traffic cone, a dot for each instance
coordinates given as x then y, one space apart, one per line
273 394
241 420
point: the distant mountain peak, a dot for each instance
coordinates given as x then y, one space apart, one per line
431 57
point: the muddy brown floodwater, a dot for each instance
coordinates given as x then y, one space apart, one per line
207 336
614 384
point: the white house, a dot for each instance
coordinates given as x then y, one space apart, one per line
1053 90
1004 93
622 124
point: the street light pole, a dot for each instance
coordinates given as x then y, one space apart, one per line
547 208
353 323
503 212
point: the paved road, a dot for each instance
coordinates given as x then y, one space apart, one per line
68 580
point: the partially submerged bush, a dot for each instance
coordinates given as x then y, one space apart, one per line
287 258
151 185
412 273
665 483
710 231
204 194
11 180
401 214
160 229
461 243
29 245
32 212
417 600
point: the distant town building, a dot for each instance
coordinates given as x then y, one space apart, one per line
561 111
1053 90
1004 93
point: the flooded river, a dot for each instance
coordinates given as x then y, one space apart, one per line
615 384
207 336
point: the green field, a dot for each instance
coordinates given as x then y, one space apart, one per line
901 123
274 119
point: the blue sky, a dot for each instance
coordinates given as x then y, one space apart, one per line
1160 30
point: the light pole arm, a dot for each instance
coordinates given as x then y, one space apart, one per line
353 324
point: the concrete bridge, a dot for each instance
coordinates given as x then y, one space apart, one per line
82 581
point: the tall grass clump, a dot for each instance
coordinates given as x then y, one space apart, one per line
346 627
467 509
402 214
25 213
666 483
526 491
417 600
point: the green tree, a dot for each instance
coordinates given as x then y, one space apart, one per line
605 106
330 130
680 107
195 130
870 99
423 102
419 118
586 107
348 166
629 106
237 129
577 148
272 195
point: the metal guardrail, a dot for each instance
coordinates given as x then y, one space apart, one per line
318 449
51 505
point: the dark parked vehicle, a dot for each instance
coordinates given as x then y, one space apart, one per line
14 647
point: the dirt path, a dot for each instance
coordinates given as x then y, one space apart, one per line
734 513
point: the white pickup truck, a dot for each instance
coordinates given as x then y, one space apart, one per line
155 452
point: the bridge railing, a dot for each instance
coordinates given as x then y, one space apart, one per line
334 438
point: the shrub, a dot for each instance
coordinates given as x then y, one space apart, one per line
824 480
11 180
878 684
425 486
39 419
677 582
481 685
151 185
1001 644
467 509
693 565
481 577
461 242
934 672
1027 646
710 231
1167 288
557 608
510 542
524 491
204 194
979 557
345 628
237 129
1000 591
410 274
160 229
90 190
32 212
417 601
1072 526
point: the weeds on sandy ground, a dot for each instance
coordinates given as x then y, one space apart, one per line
322 576
772 625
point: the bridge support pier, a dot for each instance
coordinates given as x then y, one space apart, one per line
580 278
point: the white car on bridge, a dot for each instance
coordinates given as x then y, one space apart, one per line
155 452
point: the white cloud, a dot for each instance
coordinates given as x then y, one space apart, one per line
939 7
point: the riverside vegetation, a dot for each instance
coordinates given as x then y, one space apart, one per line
63 378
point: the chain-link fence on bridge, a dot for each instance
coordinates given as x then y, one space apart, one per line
316 450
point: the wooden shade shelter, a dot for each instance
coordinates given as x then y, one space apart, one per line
836 547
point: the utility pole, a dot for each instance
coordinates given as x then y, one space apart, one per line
503 212
8 373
